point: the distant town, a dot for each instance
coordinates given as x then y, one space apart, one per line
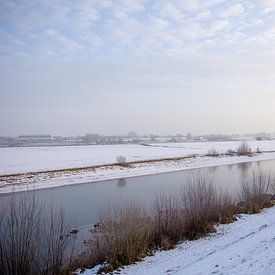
130 138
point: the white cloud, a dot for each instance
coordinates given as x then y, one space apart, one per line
231 11
167 9
136 26
268 5
61 41
218 25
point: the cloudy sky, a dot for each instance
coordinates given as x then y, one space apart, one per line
112 66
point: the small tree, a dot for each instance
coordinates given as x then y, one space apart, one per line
244 149
121 160
213 152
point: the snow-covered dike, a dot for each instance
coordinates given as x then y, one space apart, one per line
246 246
54 179
33 159
48 159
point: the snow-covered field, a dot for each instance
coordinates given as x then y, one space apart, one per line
34 159
246 246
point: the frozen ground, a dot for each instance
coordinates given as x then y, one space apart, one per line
244 247
34 159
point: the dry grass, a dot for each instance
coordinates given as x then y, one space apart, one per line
199 202
19 233
31 243
254 192
124 235
169 223
226 208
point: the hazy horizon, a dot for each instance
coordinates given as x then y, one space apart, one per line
110 67
141 134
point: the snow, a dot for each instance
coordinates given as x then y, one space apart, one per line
246 246
55 179
32 159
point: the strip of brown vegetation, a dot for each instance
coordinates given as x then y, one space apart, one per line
94 167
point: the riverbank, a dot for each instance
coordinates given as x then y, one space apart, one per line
246 246
141 160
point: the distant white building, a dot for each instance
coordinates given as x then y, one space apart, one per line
35 138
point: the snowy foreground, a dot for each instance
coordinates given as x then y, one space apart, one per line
47 159
246 246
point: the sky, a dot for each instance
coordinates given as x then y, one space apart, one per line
113 66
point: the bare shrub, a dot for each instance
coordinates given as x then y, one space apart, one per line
58 254
199 201
226 208
254 192
124 236
213 153
121 160
244 149
29 242
19 235
272 185
169 222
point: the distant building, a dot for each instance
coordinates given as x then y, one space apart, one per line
35 138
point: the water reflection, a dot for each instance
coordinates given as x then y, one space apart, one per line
213 169
121 183
244 168
230 166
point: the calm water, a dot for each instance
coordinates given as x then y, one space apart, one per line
82 202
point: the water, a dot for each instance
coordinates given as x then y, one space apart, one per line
82 202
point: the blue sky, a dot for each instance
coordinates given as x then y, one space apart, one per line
106 66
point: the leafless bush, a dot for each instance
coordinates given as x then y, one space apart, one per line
169 222
59 246
29 243
272 185
123 237
254 192
121 160
19 235
226 208
213 152
199 201
244 149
